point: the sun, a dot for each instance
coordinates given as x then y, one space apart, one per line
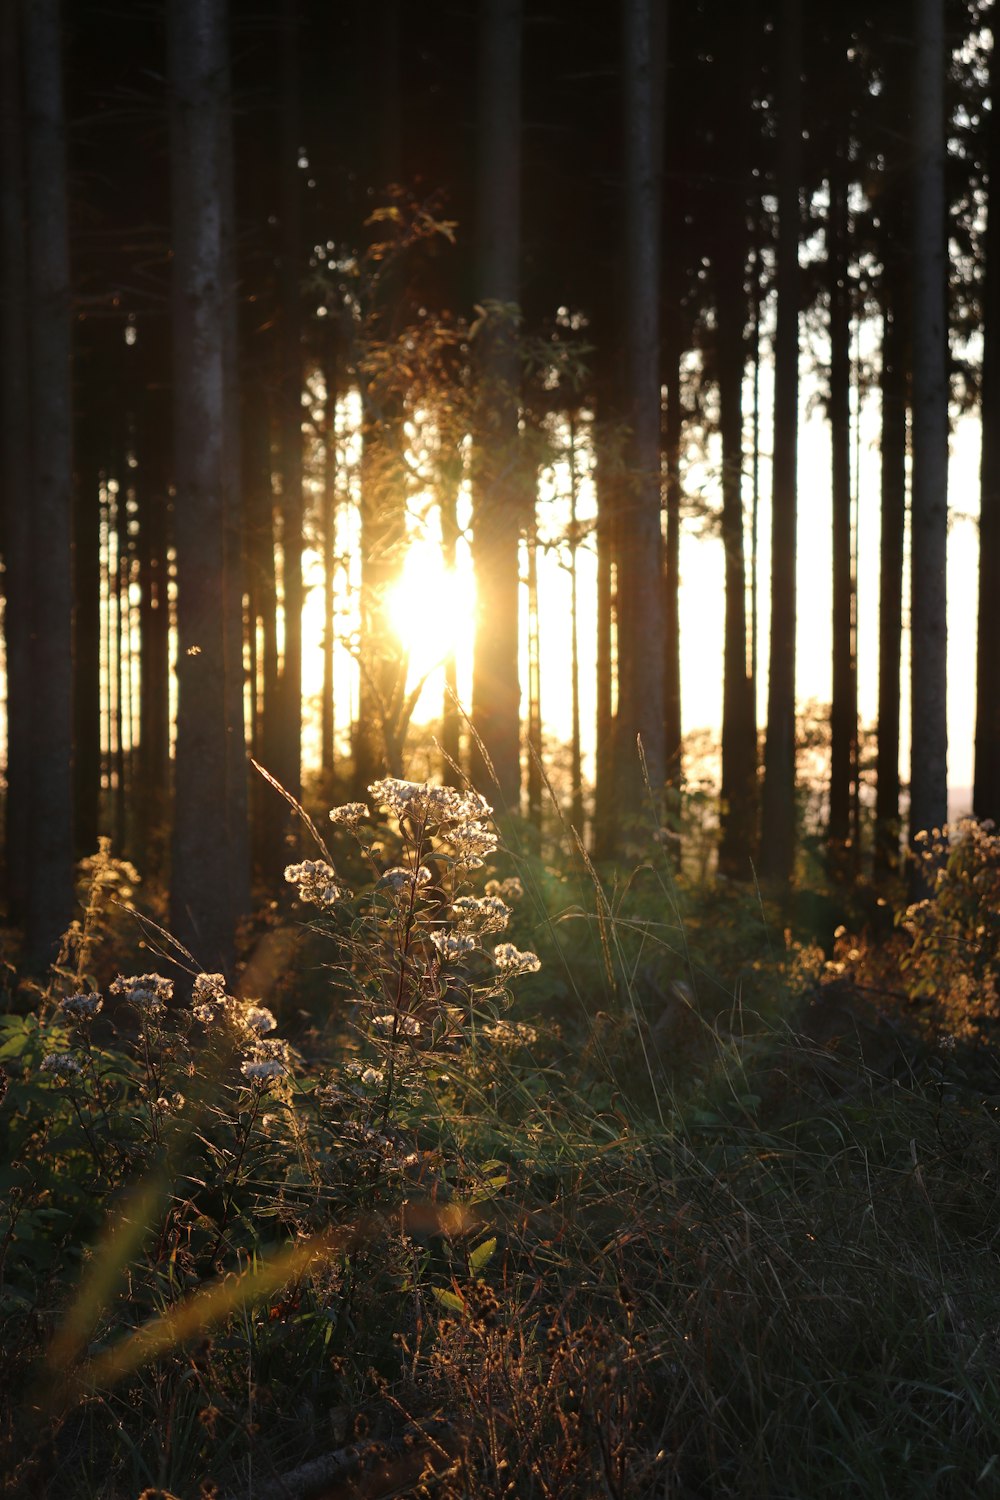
431 609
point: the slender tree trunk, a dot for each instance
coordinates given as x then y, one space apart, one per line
576 752
844 712
986 791
329 530
50 875
154 635
15 474
290 407
202 906
739 734
639 542
605 467
534 768
778 833
267 816
451 719
498 502
929 503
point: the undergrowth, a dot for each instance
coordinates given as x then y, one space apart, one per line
547 1185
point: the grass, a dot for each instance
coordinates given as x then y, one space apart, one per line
698 1213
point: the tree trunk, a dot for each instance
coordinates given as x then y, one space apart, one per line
576 753
202 906
50 882
289 770
498 502
986 791
929 503
639 540
534 767
673 430
15 474
329 537
605 486
451 719
778 831
844 710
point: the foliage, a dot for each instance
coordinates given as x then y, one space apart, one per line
680 1225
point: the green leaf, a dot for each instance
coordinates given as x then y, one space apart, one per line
481 1256
447 1299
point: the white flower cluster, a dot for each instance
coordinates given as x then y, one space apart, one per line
147 992
482 914
350 815
472 842
400 879
432 805
258 1019
81 1007
209 1000
510 889
63 1064
452 945
399 1025
269 1062
316 882
510 960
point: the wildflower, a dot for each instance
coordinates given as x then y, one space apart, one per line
400 879
350 815
483 914
510 889
402 798
453 944
147 992
435 804
263 1069
316 881
510 960
81 1007
472 842
64 1064
401 1025
372 1077
208 998
259 1019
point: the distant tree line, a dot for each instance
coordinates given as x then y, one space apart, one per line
218 220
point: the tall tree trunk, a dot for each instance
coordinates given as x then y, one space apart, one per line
15 474
50 876
929 503
986 791
451 719
202 907
844 711
605 486
534 767
576 752
639 542
498 506
778 831
673 429
739 734
329 539
289 769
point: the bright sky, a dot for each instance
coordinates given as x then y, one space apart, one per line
436 612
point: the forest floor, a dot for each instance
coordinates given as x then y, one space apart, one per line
696 1208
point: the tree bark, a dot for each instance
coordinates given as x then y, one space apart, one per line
640 715
202 906
986 790
498 500
929 503
15 474
778 831
844 710
50 876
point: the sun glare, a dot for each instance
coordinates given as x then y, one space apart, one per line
431 608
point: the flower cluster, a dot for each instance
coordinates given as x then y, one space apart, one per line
510 960
149 993
269 1062
82 1007
400 879
350 815
431 805
482 913
452 945
510 889
63 1064
316 882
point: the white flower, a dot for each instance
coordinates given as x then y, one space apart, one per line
453 944
263 1069
62 1063
350 815
149 992
81 1007
510 889
485 914
400 879
316 881
472 842
435 804
259 1019
372 1077
399 1024
510 960
208 998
